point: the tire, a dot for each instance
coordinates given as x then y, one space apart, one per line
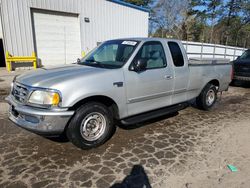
207 97
91 126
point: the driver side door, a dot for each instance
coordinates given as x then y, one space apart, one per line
152 88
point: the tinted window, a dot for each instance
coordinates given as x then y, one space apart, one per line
154 55
176 54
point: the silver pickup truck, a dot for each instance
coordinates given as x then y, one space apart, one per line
124 80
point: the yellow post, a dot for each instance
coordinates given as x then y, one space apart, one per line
10 59
8 62
83 53
35 60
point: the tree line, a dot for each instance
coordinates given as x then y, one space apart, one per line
225 22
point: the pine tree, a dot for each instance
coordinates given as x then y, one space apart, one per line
143 3
213 11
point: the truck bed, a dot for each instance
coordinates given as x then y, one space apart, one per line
208 61
202 71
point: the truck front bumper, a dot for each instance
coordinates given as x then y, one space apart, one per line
40 121
241 78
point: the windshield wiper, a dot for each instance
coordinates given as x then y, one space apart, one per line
94 63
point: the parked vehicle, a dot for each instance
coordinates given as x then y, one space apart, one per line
242 67
127 80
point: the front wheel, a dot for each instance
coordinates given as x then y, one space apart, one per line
91 126
207 97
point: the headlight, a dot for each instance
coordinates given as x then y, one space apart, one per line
12 83
47 98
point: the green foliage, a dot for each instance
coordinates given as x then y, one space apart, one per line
214 21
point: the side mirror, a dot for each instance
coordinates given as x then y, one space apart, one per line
238 57
139 65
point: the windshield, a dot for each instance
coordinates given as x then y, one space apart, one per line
110 54
245 55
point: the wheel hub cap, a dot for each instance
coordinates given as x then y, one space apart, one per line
210 97
93 126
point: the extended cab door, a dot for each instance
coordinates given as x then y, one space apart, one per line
152 88
181 72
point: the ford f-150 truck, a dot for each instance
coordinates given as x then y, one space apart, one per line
124 80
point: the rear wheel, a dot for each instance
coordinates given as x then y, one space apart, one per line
207 97
91 126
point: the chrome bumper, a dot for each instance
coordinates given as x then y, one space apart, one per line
41 121
242 78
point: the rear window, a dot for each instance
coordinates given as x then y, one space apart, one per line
176 54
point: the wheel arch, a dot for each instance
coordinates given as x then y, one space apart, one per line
215 82
109 102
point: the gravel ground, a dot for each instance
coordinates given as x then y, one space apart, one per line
189 149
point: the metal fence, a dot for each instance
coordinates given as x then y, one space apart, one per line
206 50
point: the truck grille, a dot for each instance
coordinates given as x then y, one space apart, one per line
20 93
243 68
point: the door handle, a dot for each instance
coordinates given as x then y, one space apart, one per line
168 77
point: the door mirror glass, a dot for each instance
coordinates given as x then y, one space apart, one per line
139 65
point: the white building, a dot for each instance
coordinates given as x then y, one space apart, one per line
59 31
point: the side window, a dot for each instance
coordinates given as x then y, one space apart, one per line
176 54
154 55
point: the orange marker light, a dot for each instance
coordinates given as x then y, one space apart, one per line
55 99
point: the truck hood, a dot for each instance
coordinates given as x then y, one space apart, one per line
241 61
48 77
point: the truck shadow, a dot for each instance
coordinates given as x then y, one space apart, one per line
63 138
60 139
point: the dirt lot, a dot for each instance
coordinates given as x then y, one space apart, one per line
189 149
